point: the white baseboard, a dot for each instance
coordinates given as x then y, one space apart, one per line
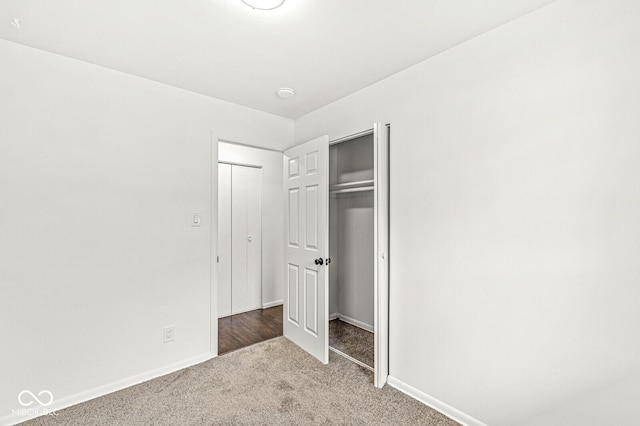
360 324
434 403
272 304
68 401
333 316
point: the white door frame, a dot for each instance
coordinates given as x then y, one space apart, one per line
213 274
380 133
381 322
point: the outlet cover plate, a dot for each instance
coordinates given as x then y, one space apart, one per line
169 334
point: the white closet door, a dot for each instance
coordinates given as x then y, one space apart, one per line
224 240
306 297
246 234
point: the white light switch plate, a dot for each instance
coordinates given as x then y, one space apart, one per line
169 334
195 219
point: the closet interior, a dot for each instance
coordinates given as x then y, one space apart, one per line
352 189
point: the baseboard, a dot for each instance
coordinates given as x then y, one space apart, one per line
272 304
434 403
333 316
60 404
355 322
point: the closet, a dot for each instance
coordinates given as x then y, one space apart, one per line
352 229
239 239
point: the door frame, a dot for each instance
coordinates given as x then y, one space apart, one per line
213 221
213 248
381 327
381 134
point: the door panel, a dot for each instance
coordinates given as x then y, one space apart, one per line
293 204
311 301
224 240
311 224
292 305
306 197
254 238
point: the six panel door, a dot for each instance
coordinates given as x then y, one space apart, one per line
306 294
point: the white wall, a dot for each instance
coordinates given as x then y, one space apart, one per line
612 404
272 213
515 210
351 233
99 174
354 259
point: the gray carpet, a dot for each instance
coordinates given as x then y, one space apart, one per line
272 382
352 340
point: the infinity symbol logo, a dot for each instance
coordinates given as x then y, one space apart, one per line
35 398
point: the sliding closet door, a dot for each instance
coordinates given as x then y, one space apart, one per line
246 235
224 240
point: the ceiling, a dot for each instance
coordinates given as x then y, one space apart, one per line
324 49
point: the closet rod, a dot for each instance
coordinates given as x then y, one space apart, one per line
368 182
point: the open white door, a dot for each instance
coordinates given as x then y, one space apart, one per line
306 296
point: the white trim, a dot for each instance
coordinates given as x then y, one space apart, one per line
352 359
354 322
248 145
351 137
80 397
436 404
231 163
213 248
272 304
333 316
381 253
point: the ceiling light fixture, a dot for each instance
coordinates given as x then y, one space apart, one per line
263 4
286 92
16 23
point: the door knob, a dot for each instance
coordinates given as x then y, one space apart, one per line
319 261
249 238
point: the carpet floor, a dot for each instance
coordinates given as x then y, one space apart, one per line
352 340
273 382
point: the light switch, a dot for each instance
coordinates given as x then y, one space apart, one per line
195 219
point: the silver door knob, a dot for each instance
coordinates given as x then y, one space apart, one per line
249 238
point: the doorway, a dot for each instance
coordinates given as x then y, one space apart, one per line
248 293
351 249
337 247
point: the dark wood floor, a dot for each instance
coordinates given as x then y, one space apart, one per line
238 331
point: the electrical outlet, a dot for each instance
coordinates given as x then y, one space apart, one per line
169 334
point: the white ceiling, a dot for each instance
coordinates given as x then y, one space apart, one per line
324 49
